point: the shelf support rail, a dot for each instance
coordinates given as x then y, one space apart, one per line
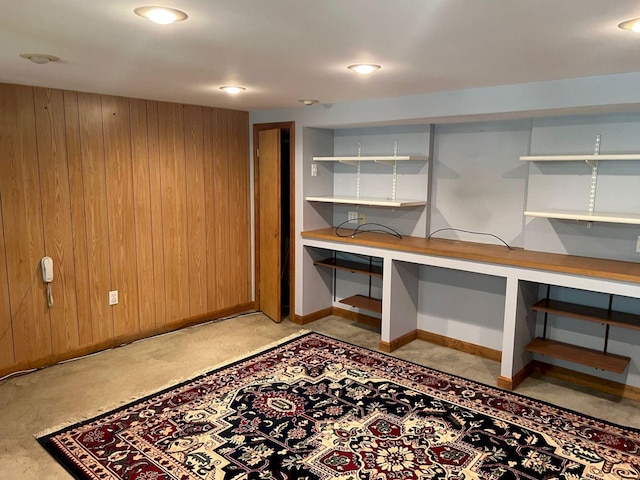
606 333
594 178
546 315
394 164
395 171
358 173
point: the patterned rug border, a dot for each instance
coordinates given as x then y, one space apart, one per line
77 471
43 436
171 384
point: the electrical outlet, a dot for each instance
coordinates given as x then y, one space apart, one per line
638 245
353 217
314 169
113 297
362 218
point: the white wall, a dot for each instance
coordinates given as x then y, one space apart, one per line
479 183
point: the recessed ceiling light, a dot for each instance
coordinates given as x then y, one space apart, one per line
161 15
308 101
39 58
364 68
633 25
232 89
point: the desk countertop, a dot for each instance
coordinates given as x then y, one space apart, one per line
497 254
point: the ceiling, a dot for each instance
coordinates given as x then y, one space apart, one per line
286 50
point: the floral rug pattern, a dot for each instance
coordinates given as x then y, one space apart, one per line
317 408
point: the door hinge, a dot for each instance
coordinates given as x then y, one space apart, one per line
258 152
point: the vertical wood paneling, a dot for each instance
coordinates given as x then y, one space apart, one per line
122 240
148 198
221 180
78 222
56 211
157 221
20 189
194 163
239 204
211 215
7 357
97 221
174 210
142 214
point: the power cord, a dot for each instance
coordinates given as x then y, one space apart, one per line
469 231
359 230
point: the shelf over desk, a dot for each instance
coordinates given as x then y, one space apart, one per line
375 202
581 216
578 158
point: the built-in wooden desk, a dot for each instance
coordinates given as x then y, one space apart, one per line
524 271
497 254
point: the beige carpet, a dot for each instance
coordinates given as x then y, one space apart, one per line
64 393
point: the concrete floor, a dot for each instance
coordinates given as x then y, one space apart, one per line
63 394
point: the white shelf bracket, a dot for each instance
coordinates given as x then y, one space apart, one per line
594 179
394 181
358 173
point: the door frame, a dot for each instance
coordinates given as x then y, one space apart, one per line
257 128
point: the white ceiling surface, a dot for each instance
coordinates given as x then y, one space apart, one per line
286 50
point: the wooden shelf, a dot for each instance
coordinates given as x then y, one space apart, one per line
375 202
350 266
581 355
373 158
626 218
361 301
592 314
575 158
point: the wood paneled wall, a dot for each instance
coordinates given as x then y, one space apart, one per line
147 198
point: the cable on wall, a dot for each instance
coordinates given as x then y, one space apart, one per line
469 231
358 230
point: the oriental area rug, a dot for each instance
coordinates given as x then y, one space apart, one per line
318 408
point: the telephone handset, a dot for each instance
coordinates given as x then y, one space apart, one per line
47 269
47 276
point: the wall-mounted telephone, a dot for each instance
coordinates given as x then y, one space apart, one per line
47 269
47 276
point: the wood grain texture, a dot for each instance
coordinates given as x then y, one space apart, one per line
142 214
122 241
125 339
196 208
240 224
212 203
467 347
96 215
20 191
269 224
389 347
157 220
7 357
56 215
589 267
221 169
174 210
78 220
123 194
581 355
586 380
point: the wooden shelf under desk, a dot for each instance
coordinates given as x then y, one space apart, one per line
592 314
581 355
361 301
350 266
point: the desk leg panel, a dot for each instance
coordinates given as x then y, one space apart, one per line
399 301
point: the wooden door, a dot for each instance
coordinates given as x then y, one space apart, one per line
269 223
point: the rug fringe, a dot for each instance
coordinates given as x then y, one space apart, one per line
169 384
